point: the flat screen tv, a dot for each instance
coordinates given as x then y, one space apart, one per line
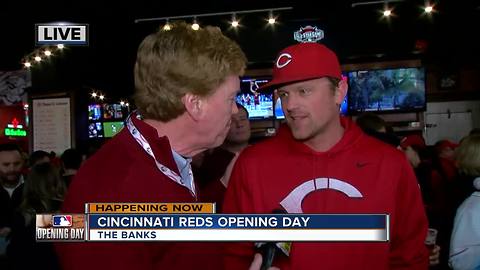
386 90
278 107
94 112
105 119
258 104
95 130
344 106
112 128
112 111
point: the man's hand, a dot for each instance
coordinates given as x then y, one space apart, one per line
434 256
257 263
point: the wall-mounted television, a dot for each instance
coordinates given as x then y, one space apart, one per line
95 130
105 119
258 104
94 112
344 106
277 106
387 90
112 128
112 111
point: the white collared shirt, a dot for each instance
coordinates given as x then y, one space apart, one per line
185 168
11 190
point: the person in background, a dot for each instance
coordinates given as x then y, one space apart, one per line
71 161
433 194
186 82
237 139
43 193
369 121
12 184
239 133
414 147
55 160
465 242
459 185
213 173
39 157
445 150
374 126
279 173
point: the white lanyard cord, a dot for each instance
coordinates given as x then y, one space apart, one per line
146 146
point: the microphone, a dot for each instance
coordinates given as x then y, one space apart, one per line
269 249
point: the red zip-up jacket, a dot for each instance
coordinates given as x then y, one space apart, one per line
266 175
121 171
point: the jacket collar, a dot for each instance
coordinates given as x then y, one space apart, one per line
160 145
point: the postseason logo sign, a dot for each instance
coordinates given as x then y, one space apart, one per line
61 33
60 227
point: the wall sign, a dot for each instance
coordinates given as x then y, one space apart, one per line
51 124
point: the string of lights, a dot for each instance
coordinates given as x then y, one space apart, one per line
388 8
272 19
98 95
40 54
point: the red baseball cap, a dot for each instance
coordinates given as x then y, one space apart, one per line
414 140
304 61
445 144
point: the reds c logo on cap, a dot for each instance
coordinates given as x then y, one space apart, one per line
283 60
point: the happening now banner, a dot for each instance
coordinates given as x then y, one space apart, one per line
198 222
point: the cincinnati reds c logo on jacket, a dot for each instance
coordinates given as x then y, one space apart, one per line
293 202
283 60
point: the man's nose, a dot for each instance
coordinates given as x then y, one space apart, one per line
10 169
290 103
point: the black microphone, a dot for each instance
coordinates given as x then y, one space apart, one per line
269 249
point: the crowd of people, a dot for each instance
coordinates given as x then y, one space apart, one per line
31 184
441 175
189 142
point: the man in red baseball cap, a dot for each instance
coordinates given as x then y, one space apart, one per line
416 141
323 163
445 150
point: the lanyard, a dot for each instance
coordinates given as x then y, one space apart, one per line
146 146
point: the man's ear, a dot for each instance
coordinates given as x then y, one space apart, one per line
194 105
341 91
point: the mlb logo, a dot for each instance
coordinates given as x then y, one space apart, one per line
62 221
61 33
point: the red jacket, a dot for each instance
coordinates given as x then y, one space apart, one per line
265 174
121 171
